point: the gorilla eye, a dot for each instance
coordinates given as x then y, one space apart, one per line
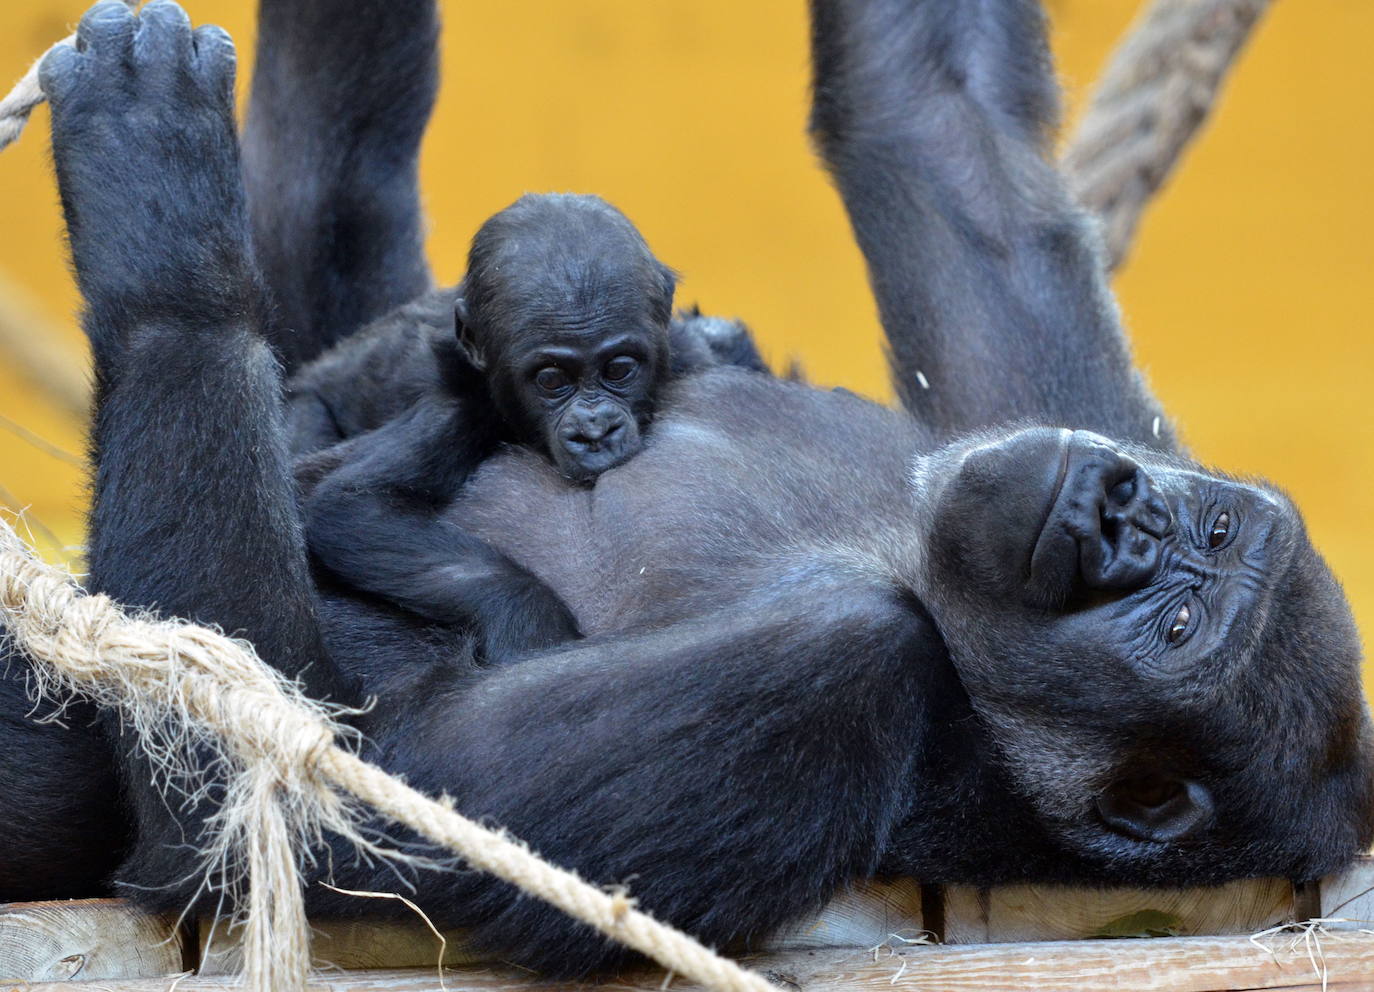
552 379
1179 627
619 369
1221 528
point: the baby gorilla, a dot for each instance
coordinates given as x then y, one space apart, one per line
565 337
565 311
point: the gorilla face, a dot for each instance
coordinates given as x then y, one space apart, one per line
1168 667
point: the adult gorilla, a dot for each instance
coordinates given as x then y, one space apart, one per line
828 639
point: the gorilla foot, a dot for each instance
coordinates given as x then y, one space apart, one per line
147 159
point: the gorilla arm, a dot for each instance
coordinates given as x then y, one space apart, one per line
376 523
342 90
733 770
194 512
936 119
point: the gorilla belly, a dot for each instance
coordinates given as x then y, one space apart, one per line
745 478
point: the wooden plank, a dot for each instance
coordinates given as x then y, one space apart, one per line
1349 897
1181 964
346 944
86 939
868 914
108 939
1043 912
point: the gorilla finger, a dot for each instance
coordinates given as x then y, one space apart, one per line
58 72
215 58
107 31
164 32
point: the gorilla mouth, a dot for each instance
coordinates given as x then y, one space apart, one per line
586 465
1156 807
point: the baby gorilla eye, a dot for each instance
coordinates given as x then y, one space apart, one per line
1179 627
620 368
1221 528
552 379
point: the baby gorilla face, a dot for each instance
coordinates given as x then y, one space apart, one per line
565 310
1170 671
590 397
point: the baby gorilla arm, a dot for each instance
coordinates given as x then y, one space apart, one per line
376 524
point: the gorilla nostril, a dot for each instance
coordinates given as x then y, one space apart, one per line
1123 492
1156 807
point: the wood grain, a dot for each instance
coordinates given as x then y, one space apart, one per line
1043 912
1349 897
1181 964
85 939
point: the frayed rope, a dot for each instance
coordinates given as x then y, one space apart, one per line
287 781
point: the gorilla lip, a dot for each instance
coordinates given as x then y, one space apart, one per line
1064 448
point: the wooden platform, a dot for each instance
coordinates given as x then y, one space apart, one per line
889 935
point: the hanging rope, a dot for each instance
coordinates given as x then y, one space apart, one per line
1160 85
286 781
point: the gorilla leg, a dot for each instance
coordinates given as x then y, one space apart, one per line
58 780
194 509
342 91
936 118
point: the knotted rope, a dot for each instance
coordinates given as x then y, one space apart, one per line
286 780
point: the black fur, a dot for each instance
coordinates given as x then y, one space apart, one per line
824 639
558 286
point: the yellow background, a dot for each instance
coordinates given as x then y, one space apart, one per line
1248 291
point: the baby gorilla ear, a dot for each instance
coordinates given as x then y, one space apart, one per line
466 339
663 307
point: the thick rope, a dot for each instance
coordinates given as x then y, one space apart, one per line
1159 87
286 780
20 102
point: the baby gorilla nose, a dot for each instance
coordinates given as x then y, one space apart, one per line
589 430
592 439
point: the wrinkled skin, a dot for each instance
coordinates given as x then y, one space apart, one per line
1178 598
825 639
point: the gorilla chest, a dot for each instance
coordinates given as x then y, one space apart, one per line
708 511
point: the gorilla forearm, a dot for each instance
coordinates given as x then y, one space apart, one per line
374 523
937 117
583 754
341 95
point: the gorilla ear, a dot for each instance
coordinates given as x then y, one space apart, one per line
466 339
669 284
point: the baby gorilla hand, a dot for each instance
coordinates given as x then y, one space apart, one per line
147 162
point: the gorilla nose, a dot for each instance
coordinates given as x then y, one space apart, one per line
1156 807
591 429
1118 518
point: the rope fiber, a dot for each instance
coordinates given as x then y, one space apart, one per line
286 779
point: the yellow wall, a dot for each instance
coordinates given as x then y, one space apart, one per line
1248 291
